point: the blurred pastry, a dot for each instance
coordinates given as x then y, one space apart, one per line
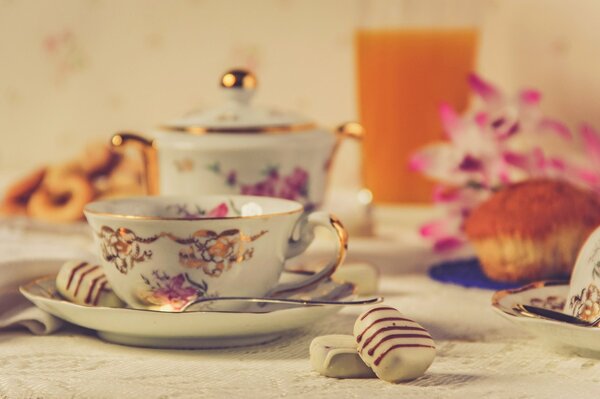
18 194
61 201
58 193
532 230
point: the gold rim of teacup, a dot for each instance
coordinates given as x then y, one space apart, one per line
86 211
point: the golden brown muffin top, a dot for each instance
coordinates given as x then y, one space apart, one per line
534 208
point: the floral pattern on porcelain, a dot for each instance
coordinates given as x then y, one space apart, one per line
213 252
293 186
551 302
121 247
184 211
586 305
171 291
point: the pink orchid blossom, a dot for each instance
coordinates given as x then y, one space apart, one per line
485 150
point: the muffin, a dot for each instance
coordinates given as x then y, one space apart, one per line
532 230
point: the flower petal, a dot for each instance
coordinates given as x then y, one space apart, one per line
450 121
556 127
591 141
447 244
470 164
531 97
590 177
419 162
481 119
516 159
443 194
433 229
484 89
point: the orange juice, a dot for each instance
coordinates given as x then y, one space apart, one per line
403 77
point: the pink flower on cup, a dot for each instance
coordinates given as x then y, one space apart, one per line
218 211
173 291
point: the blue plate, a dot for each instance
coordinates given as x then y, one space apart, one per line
467 273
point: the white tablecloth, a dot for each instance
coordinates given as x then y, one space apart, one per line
479 354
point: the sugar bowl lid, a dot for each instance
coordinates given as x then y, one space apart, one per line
237 114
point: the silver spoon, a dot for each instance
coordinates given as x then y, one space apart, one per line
536 311
282 301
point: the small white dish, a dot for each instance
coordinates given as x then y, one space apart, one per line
550 295
195 329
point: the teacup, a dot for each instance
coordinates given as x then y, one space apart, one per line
584 289
163 252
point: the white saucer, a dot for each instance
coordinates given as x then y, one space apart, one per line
195 329
551 295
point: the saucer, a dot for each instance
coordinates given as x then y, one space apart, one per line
257 324
550 295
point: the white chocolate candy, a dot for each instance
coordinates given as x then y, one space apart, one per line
336 356
395 347
85 284
364 276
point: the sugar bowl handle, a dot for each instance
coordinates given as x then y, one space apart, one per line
307 227
351 130
148 150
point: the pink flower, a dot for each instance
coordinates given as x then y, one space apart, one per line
172 292
219 211
481 156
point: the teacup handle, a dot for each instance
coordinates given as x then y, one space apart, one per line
307 227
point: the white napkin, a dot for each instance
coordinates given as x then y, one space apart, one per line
15 309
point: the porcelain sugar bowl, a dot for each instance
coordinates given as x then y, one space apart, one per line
240 148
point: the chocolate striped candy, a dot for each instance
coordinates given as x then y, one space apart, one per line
335 356
85 284
395 347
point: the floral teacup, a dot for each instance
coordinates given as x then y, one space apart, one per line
584 289
163 252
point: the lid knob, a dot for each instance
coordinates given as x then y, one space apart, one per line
243 81
238 79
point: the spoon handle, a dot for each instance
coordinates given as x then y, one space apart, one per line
299 302
553 315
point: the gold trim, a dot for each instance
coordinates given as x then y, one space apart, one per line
182 219
353 130
238 79
149 156
54 295
342 236
499 295
267 129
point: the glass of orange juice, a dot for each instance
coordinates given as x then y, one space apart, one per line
411 56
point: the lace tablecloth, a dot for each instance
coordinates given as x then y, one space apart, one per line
479 354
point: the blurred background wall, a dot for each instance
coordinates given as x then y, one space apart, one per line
73 71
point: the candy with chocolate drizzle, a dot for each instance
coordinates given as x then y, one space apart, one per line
84 283
335 356
395 347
